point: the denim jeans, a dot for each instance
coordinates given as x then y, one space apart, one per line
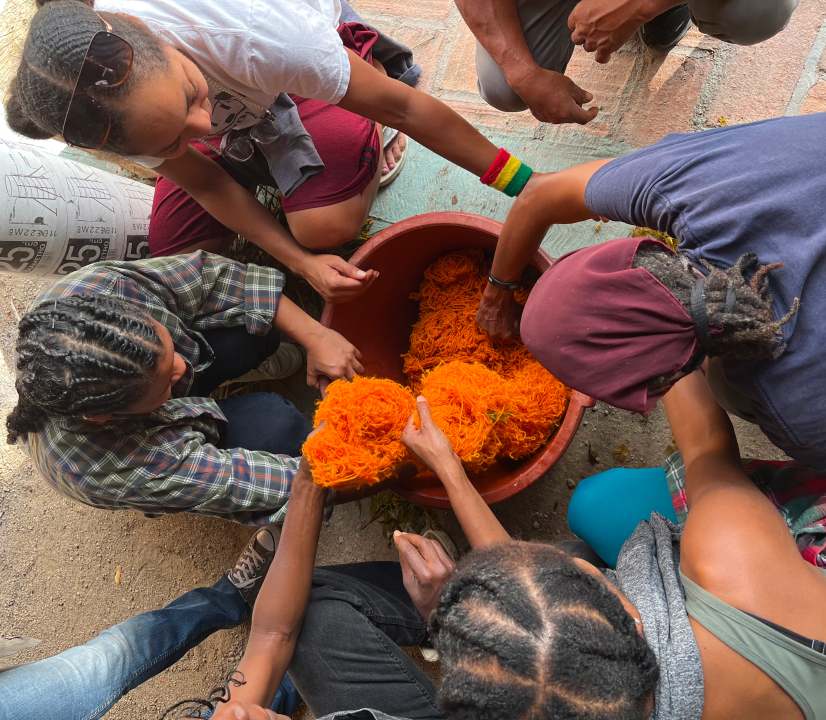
257 421
82 683
348 654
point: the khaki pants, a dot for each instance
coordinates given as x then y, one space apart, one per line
545 26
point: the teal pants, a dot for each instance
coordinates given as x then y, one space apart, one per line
606 508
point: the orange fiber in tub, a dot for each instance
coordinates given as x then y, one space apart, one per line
446 329
535 405
492 401
360 444
465 401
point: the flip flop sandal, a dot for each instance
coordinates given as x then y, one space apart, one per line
388 135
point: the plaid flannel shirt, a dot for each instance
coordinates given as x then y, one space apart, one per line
166 461
797 491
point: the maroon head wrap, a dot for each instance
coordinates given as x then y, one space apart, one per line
605 328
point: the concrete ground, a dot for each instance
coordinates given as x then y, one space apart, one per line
60 558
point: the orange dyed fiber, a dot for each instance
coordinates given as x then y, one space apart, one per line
535 405
446 329
490 400
360 444
466 402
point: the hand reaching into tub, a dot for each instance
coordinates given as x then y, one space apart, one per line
498 314
430 446
330 355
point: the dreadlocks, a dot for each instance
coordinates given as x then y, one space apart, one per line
747 330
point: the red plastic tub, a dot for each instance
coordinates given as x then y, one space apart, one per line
380 321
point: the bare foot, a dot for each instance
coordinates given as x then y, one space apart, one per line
393 152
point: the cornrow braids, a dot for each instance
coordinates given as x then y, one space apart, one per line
739 311
524 634
59 35
84 354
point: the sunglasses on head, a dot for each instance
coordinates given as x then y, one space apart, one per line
107 64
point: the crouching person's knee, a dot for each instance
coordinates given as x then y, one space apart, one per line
742 22
492 85
326 231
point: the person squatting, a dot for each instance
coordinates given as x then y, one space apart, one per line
695 591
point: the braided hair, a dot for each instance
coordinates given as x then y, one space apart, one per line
524 634
59 35
84 354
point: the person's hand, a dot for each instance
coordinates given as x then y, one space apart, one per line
426 568
498 314
234 710
334 278
329 355
604 26
554 98
429 445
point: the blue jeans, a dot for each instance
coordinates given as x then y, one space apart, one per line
84 682
606 508
257 421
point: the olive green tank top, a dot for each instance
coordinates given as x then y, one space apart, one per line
799 670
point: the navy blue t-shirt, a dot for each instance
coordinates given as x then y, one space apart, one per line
748 188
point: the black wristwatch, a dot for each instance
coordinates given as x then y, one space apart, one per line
502 285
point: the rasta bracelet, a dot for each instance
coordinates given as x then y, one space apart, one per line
507 174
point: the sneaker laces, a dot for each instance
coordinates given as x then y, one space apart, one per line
245 573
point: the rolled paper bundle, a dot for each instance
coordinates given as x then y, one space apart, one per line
360 443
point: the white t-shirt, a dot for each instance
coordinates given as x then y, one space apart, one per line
256 48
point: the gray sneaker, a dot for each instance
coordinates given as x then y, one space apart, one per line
286 361
251 569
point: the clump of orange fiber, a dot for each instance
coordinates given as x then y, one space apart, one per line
466 400
360 443
492 401
535 405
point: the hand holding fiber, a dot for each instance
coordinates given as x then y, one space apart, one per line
427 443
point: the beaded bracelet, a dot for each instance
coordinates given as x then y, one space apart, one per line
508 174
